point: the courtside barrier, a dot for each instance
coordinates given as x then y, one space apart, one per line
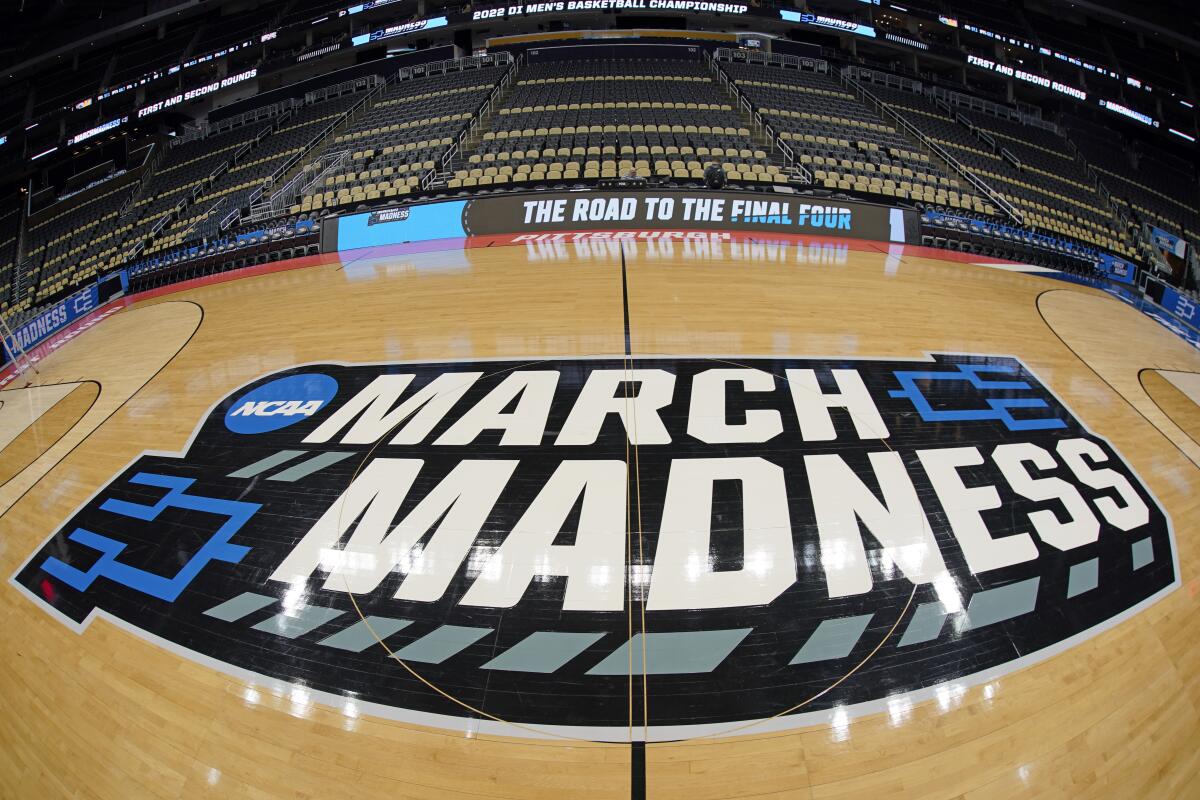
1180 306
50 320
634 209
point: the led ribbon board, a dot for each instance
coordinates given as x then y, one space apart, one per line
399 30
949 517
199 91
681 6
96 131
1028 77
156 74
1129 113
824 21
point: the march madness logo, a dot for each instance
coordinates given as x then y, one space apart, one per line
389 215
778 521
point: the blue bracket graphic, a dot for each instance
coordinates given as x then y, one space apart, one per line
998 408
217 548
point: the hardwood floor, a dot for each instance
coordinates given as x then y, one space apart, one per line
109 712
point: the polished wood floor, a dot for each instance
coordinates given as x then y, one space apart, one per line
105 714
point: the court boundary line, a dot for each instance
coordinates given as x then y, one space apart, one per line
1160 370
19 498
61 436
1037 303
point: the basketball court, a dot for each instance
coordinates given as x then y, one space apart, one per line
705 517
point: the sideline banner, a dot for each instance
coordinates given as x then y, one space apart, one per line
54 318
1116 269
1168 242
615 210
1181 306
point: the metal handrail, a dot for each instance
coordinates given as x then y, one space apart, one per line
154 159
318 142
319 139
954 98
251 116
886 79
446 160
333 162
177 210
338 89
497 59
201 217
191 133
801 63
328 163
765 127
997 199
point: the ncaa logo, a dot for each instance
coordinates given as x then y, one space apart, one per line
280 403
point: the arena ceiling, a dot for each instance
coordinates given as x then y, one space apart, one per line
39 28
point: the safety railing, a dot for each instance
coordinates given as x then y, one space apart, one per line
153 160
1119 215
252 116
177 210
996 199
218 171
478 118
338 89
322 138
1011 157
19 250
230 219
191 132
801 63
762 125
497 59
885 79
216 206
21 284
960 100
1023 113
282 197
300 185
987 139
330 164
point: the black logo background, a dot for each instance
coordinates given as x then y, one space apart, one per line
754 681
